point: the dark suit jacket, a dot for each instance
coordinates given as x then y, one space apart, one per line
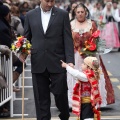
48 49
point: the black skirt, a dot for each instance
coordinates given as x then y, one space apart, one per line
86 111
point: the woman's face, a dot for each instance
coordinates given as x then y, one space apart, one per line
80 14
26 5
109 6
98 6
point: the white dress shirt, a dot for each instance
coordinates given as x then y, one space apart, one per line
77 74
45 17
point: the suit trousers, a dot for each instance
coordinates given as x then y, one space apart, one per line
43 84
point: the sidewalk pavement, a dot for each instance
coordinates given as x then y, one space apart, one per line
71 118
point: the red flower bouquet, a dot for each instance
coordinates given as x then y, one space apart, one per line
91 45
21 45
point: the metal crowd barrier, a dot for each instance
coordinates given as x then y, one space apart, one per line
6 94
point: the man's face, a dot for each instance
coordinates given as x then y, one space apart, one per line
115 5
47 4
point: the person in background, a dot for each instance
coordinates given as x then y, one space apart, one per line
97 13
88 5
71 13
7 38
110 31
22 15
16 23
117 19
25 5
115 5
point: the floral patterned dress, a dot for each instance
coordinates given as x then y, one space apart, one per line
105 86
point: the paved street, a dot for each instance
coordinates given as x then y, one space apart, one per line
71 118
112 63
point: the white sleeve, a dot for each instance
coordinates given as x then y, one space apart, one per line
116 16
76 73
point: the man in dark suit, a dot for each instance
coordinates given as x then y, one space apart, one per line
49 32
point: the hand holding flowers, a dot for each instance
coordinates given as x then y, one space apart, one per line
22 46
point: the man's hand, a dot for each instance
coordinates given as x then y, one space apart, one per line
5 49
71 65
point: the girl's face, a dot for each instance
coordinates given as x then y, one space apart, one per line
84 67
80 14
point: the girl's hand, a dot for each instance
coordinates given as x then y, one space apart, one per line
64 65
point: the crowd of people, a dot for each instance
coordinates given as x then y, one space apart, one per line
57 32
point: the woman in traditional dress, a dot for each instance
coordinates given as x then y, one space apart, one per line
110 32
82 30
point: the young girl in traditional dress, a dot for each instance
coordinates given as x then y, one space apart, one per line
86 95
